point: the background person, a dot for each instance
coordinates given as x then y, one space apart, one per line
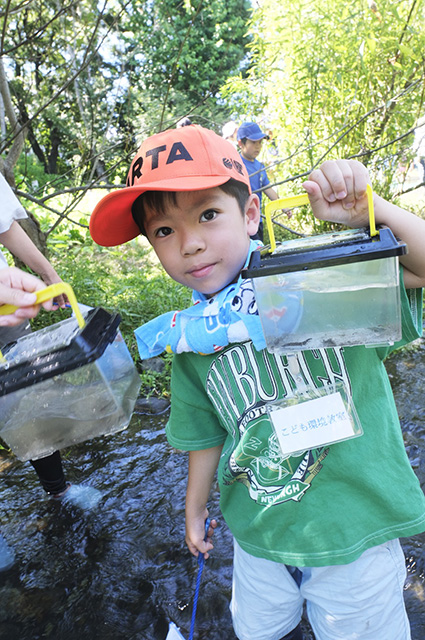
229 132
250 139
184 122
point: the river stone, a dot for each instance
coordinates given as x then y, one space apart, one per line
153 364
151 405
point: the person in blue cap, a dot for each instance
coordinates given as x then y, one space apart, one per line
250 139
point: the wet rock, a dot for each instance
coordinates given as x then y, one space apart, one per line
151 405
153 364
10 599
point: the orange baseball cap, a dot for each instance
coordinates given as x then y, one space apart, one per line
185 159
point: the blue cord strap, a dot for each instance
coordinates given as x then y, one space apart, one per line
201 562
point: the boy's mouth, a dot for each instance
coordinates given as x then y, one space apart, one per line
201 271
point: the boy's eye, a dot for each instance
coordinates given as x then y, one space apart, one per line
208 215
162 232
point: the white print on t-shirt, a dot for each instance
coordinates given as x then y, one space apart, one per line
239 393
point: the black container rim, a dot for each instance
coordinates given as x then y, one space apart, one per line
88 344
371 248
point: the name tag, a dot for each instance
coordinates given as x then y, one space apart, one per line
313 423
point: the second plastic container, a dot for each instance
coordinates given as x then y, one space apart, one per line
336 289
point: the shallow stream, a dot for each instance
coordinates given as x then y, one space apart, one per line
122 571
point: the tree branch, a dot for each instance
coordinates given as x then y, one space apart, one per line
19 138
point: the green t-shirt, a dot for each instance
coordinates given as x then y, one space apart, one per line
320 507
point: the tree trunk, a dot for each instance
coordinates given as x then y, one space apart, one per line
32 227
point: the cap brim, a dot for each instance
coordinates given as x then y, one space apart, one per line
111 222
255 137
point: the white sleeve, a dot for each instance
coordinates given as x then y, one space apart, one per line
10 207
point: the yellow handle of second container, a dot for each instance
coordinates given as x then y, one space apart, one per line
297 201
48 293
373 229
282 203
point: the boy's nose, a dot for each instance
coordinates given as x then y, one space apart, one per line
192 243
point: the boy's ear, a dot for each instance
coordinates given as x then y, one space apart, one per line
252 214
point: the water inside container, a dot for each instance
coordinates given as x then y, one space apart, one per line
344 305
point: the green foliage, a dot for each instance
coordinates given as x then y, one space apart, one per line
89 80
336 81
178 54
48 44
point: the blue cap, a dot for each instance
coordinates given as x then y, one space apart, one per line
250 130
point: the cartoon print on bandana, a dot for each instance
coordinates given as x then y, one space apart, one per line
240 383
244 300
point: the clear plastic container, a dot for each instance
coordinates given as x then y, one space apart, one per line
66 384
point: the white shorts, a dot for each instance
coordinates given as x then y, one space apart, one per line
362 600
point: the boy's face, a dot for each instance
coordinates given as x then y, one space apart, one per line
250 148
202 241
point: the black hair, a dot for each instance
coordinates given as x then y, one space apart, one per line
158 200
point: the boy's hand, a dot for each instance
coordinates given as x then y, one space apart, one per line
195 534
337 192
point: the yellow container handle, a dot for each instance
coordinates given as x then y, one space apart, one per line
372 227
297 201
48 293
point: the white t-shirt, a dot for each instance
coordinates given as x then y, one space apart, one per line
10 210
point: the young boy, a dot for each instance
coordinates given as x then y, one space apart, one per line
250 140
321 525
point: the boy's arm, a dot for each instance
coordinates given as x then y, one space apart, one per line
271 193
337 192
202 467
411 229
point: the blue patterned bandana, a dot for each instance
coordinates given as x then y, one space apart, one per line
209 325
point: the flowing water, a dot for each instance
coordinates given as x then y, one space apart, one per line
122 571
